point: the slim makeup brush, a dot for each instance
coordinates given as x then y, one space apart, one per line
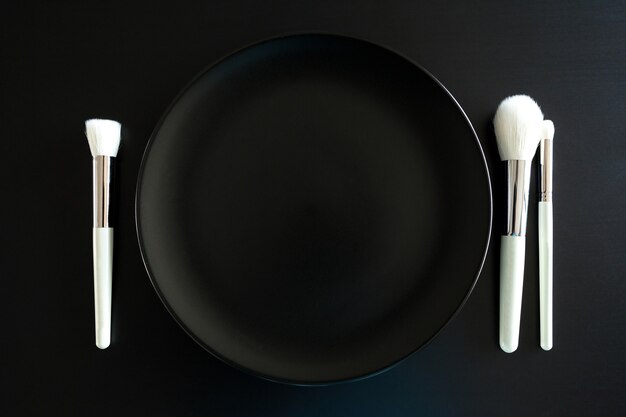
517 124
545 235
104 141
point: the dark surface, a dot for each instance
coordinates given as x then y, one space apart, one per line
63 63
298 208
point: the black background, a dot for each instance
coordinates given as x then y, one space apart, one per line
63 63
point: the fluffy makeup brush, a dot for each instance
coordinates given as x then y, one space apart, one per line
104 141
545 235
518 128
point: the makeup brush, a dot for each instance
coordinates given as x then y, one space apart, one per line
545 235
517 124
104 141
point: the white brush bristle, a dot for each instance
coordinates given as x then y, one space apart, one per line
103 136
518 125
548 129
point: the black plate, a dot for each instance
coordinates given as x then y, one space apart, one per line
313 208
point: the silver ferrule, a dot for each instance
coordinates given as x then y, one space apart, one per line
545 170
102 190
518 184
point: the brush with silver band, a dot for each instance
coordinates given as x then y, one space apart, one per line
104 140
545 235
517 125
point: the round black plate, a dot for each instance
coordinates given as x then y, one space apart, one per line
313 208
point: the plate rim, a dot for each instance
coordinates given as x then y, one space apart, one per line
150 273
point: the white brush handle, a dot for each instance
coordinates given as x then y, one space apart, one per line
545 274
102 284
512 253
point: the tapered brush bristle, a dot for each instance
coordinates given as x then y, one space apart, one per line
548 130
518 125
103 136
